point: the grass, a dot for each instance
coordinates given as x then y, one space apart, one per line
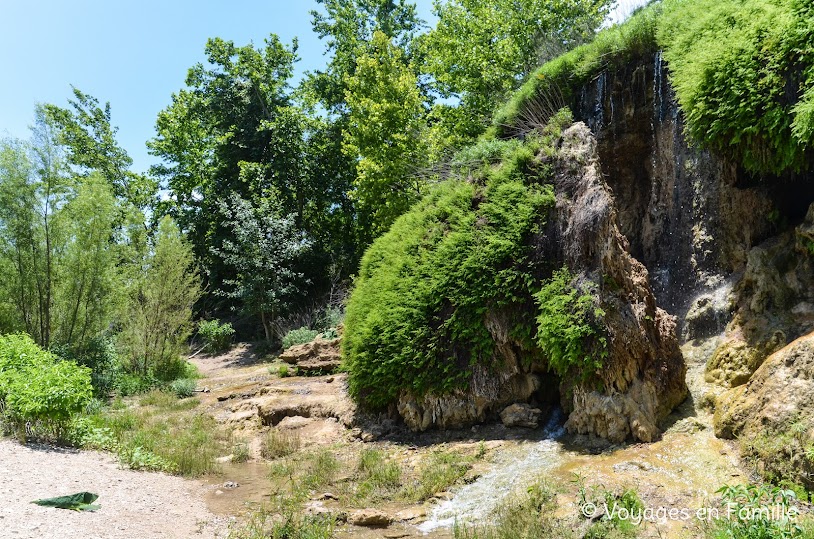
158 433
439 471
526 516
279 443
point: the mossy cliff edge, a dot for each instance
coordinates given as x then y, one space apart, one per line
537 276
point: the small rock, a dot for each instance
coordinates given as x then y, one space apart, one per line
224 459
370 518
395 535
369 437
329 380
413 513
230 484
521 415
218 492
329 496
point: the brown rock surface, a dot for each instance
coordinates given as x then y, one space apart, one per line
319 356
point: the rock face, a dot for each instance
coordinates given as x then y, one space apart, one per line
521 415
643 378
319 356
775 305
777 404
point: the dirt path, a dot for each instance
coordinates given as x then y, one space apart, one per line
133 504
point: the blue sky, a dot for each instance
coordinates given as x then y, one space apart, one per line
134 54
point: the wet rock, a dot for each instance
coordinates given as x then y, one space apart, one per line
370 518
319 356
521 415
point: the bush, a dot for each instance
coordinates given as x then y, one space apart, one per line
299 336
101 357
567 326
183 387
217 337
279 443
39 390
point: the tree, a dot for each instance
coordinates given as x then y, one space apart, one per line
264 254
56 239
481 51
158 320
85 130
384 134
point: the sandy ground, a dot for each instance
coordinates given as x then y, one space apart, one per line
133 504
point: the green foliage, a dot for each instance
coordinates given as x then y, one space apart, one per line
162 433
377 477
101 357
567 73
525 516
217 337
263 253
156 329
416 317
567 326
439 471
183 387
743 77
481 51
748 513
299 336
384 134
39 390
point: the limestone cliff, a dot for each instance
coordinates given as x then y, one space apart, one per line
641 380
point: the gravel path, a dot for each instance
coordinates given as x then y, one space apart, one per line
134 505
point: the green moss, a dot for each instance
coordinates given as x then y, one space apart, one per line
567 326
742 72
567 73
415 319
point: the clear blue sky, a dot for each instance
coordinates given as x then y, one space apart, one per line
135 54
132 54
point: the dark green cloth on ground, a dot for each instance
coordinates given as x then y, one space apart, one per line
81 501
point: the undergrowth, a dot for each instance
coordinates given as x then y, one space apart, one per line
159 433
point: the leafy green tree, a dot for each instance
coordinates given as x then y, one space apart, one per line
86 132
481 51
33 190
158 320
384 134
348 26
264 255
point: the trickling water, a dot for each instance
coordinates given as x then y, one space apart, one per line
599 105
658 89
476 501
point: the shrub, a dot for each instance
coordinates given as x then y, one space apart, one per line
567 326
217 337
183 387
101 357
38 388
299 336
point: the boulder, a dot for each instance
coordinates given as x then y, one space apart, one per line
370 518
773 413
319 356
521 415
